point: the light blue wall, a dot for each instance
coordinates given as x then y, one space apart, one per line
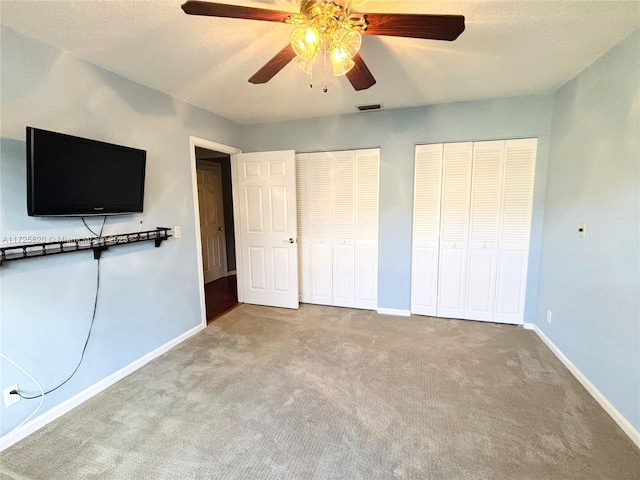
148 296
592 284
397 132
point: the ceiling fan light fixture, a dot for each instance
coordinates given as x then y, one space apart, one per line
341 62
305 41
328 30
330 33
305 64
349 41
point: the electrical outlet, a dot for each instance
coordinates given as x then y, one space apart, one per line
549 314
10 399
177 231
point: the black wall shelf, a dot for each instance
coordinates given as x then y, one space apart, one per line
97 244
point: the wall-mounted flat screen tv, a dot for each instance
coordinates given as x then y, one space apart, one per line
73 176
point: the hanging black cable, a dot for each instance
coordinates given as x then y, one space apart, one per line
93 318
94 233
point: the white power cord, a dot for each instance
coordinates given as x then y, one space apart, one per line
32 378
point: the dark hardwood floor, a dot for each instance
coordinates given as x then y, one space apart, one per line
221 296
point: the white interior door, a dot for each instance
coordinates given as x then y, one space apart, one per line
513 252
476 199
484 229
266 191
214 250
343 216
367 212
321 231
426 229
454 233
338 227
304 227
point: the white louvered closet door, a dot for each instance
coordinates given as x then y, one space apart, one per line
343 216
484 229
476 199
304 227
426 229
338 227
321 231
513 252
367 201
454 233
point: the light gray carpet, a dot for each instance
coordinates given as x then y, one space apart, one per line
328 393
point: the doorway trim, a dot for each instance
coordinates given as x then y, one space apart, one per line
219 147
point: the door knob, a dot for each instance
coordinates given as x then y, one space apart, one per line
454 244
221 229
484 245
291 240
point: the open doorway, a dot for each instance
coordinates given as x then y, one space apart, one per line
215 205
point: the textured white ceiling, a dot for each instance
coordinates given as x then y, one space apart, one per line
509 48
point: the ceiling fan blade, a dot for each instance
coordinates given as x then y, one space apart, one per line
211 9
273 66
431 27
360 76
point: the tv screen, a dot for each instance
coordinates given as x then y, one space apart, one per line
69 175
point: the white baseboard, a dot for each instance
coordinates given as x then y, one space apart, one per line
394 311
40 421
622 422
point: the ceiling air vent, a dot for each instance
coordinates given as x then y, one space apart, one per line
366 108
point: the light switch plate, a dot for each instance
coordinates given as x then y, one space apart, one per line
582 230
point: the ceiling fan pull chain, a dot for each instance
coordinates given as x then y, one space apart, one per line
325 53
311 78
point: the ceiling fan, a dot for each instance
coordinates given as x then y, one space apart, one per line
328 33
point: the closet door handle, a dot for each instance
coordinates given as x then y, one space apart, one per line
484 245
291 240
454 244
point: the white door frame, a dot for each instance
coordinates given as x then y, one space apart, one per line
201 142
